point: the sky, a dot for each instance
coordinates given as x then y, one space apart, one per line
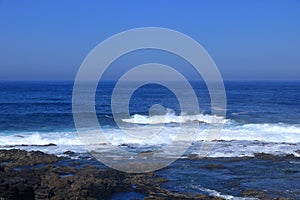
248 40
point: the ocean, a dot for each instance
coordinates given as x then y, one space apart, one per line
261 117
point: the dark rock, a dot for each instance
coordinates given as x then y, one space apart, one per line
52 181
18 158
124 145
291 156
38 145
161 180
55 181
266 156
161 194
213 166
193 157
75 163
69 152
254 193
49 145
236 159
146 153
290 171
18 184
275 158
29 145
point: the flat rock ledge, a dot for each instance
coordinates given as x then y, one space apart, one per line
36 175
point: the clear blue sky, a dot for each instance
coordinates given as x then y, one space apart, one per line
249 39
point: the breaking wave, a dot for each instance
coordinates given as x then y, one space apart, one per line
170 117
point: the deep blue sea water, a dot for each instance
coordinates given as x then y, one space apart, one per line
261 116
47 106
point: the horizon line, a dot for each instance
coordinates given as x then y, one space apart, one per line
110 80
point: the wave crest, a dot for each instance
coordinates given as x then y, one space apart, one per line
171 117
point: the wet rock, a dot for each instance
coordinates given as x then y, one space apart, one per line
236 159
52 181
69 153
29 145
255 194
18 184
260 195
193 157
266 156
124 145
47 145
75 163
290 171
291 156
161 180
146 153
18 158
56 181
275 158
213 166
161 194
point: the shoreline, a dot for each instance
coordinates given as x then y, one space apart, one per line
36 175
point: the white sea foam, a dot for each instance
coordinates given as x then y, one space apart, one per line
33 141
170 117
235 139
35 138
278 133
218 194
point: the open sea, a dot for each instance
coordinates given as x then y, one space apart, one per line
262 117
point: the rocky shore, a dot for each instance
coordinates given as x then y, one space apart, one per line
36 175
